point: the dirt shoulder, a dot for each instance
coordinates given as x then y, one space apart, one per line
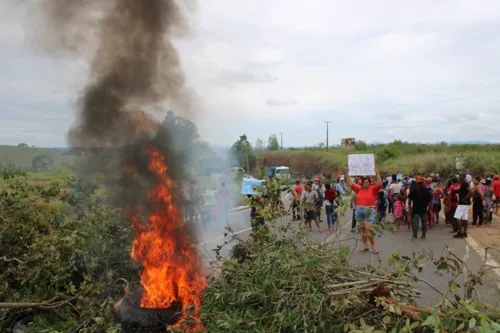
488 237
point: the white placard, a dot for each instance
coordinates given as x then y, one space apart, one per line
361 164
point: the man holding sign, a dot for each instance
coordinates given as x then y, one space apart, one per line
365 205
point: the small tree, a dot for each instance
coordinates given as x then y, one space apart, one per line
259 145
272 143
361 145
244 154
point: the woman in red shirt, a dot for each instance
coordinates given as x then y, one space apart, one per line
365 207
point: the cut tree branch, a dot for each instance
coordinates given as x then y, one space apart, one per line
52 303
4 258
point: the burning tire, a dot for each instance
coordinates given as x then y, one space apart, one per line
134 318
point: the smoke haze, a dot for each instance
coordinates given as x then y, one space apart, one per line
133 63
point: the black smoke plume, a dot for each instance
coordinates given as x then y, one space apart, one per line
133 67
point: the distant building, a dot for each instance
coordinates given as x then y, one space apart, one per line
348 143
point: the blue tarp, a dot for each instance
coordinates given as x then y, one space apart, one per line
247 185
398 177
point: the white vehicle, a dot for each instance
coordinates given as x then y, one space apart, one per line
283 172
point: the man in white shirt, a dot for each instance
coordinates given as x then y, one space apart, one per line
394 190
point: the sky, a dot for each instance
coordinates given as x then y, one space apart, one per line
419 71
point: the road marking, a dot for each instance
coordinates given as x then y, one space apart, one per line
223 237
487 261
240 211
481 252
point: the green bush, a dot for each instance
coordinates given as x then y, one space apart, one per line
361 145
48 253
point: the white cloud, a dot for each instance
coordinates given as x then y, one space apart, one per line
379 70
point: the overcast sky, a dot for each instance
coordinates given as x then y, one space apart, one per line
379 70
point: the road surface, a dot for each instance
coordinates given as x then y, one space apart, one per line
438 238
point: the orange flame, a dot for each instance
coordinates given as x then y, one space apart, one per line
171 265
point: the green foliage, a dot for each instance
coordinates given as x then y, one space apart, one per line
45 252
22 157
386 154
9 173
42 162
361 145
280 280
272 143
259 145
244 154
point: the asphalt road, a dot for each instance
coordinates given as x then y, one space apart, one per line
438 238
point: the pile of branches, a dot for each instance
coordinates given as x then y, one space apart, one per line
281 281
278 282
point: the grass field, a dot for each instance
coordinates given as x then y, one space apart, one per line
22 158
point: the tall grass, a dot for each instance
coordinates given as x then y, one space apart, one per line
395 157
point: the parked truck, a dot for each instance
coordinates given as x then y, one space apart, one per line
282 172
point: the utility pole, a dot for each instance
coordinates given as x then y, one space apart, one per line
327 122
281 140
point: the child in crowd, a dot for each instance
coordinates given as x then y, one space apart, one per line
398 211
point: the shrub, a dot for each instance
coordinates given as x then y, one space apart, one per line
45 252
361 145
386 154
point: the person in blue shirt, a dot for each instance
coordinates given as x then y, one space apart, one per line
340 190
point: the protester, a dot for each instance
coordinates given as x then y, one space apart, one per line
462 212
340 188
319 207
478 202
296 202
488 198
413 186
452 203
420 198
256 219
381 205
365 208
496 191
430 188
354 197
437 195
310 200
398 211
405 191
330 197
394 191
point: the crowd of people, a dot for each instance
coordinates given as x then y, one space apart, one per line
414 202
411 200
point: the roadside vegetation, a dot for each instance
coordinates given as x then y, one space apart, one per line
395 157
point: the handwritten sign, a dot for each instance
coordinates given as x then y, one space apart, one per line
250 186
361 164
